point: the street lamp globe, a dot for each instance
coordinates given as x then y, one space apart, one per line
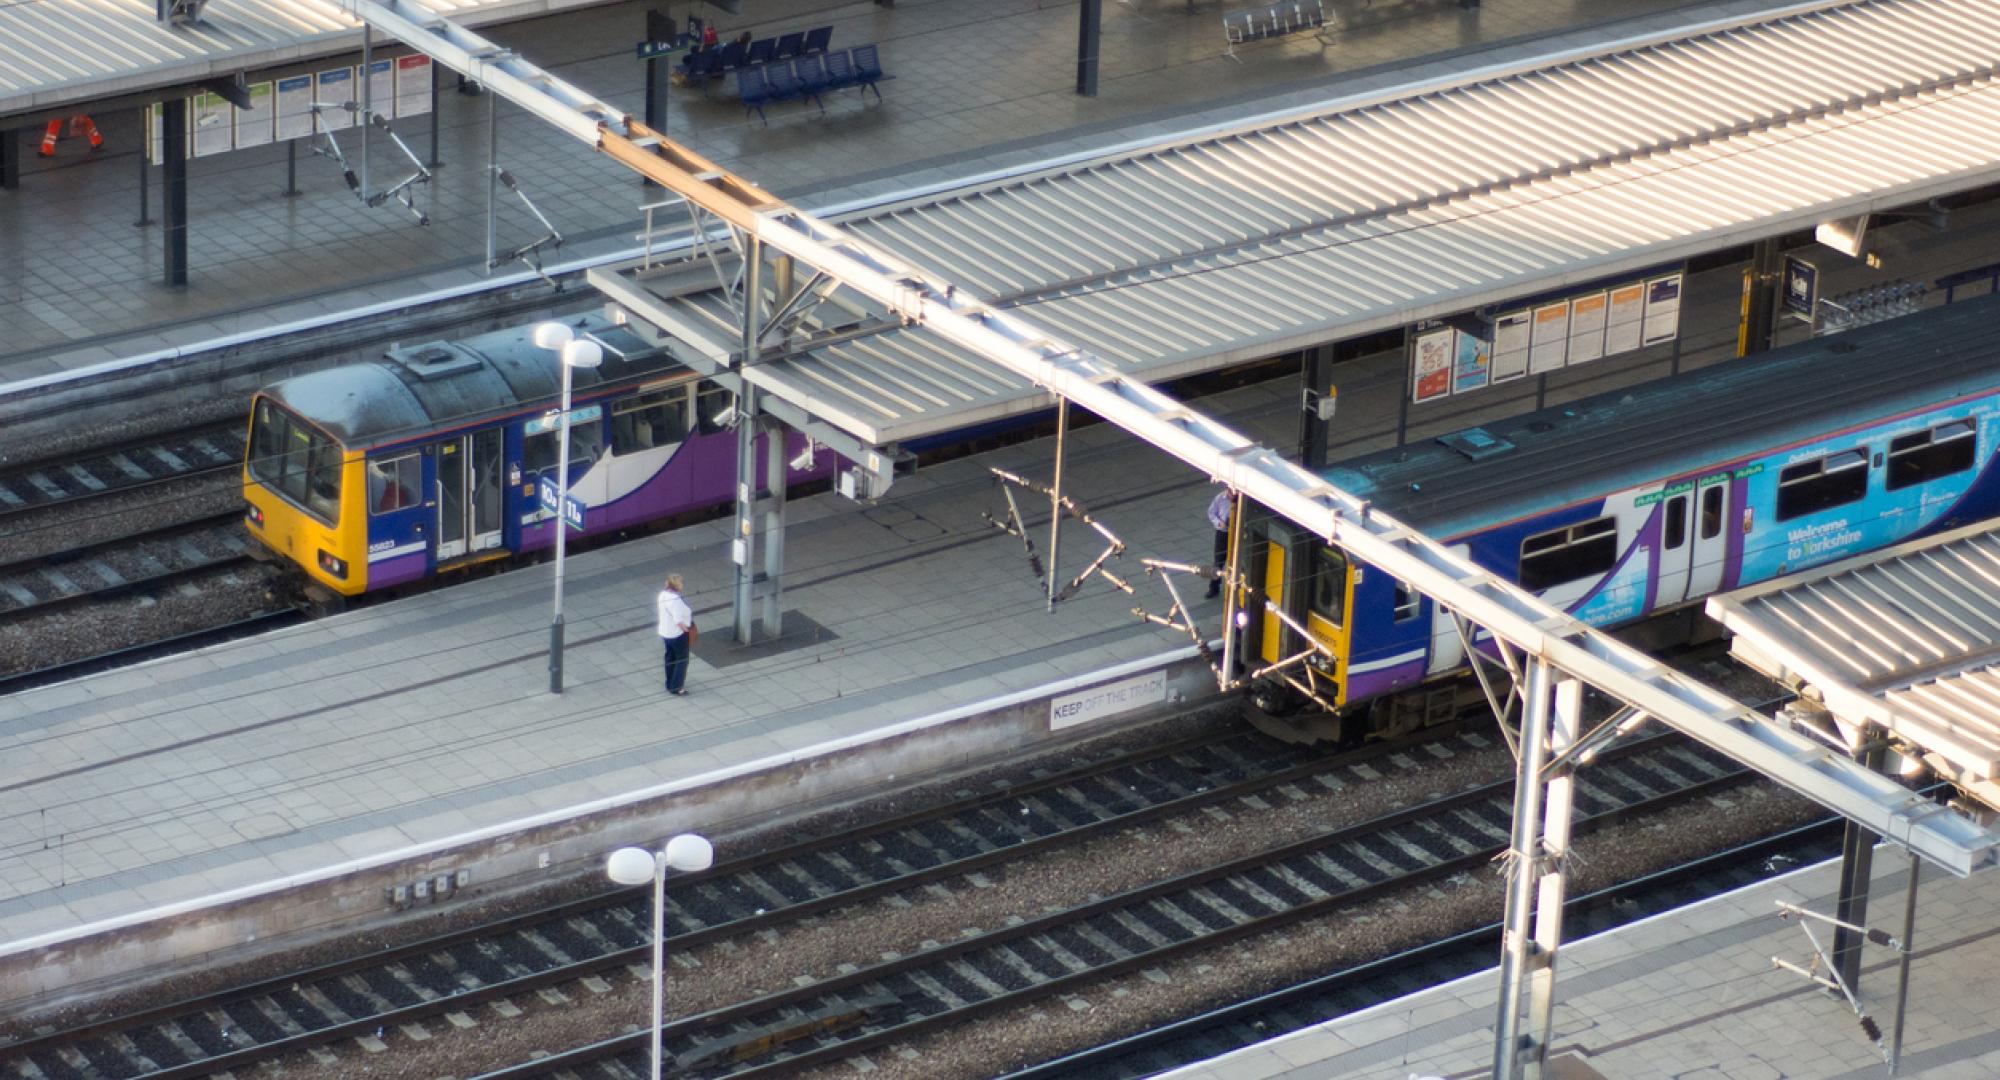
689 853
552 335
582 353
630 866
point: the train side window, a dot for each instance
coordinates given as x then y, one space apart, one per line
1923 456
323 480
1822 483
1408 603
1329 585
1674 530
656 419
1711 510
393 483
713 406
1585 549
538 451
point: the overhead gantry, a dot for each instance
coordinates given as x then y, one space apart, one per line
813 263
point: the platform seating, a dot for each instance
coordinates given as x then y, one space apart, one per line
762 51
1272 21
809 77
790 45
818 39
787 86
868 69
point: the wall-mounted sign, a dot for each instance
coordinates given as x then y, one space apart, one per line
413 85
1512 333
254 124
1586 328
1551 338
295 98
1801 287
1663 309
1474 364
1624 317
333 92
1432 370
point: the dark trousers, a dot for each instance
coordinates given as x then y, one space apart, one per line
1221 560
676 661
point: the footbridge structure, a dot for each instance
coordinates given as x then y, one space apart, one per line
1713 135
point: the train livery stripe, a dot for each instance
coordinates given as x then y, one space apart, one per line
1387 662
399 550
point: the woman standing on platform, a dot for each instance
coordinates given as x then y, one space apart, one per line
676 633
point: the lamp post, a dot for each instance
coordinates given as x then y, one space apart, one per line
575 353
632 866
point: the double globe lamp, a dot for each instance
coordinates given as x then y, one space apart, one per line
576 353
686 853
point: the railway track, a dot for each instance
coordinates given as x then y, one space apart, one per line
290 1013
952 984
122 467
155 560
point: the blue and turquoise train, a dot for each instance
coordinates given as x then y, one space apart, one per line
1638 502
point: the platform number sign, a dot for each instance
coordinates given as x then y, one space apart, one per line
572 508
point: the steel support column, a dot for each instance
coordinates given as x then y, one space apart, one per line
492 177
743 547
1558 800
173 189
367 102
1055 501
771 527
145 179
1089 32
435 122
1518 949
1857 867
1760 298
1316 383
10 160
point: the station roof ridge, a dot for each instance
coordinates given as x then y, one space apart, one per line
58 52
1196 252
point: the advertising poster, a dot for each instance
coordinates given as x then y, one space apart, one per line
253 125
382 87
1586 328
212 124
1622 322
1431 374
413 85
295 98
1510 345
1473 368
1663 309
333 92
1551 338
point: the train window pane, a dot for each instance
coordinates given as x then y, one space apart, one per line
323 480
712 407
538 453
1583 550
586 444
1329 585
1930 455
393 483
1711 510
1408 603
1822 484
656 419
267 442
1674 531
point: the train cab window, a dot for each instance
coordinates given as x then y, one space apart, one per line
1585 549
394 483
1329 585
1822 483
1674 530
1711 510
659 418
291 458
1409 602
1923 456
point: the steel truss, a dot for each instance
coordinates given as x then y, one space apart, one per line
1559 647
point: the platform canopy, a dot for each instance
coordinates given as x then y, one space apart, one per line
55 53
1428 199
1904 641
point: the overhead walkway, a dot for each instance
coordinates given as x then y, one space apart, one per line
1378 210
1904 642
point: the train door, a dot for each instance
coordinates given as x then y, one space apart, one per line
1711 537
1675 551
469 494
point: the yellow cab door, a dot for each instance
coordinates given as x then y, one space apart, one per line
1329 593
1310 581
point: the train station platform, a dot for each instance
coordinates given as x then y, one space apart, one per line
978 88
1695 993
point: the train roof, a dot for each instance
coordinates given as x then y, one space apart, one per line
442 384
1522 465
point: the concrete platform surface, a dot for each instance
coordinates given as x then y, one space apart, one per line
1694 994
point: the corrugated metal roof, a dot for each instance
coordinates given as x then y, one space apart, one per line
54 52
1908 639
1369 214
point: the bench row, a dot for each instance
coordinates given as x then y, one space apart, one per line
738 54
808 77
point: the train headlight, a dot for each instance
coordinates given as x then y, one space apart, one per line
336 567
254 516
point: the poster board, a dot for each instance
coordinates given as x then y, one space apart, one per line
1663 309
1623 318
1431 368
1551 338
295 98
1473 368
333 91
254 125
413 85
381 96
1511 337
1586 327
214 128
